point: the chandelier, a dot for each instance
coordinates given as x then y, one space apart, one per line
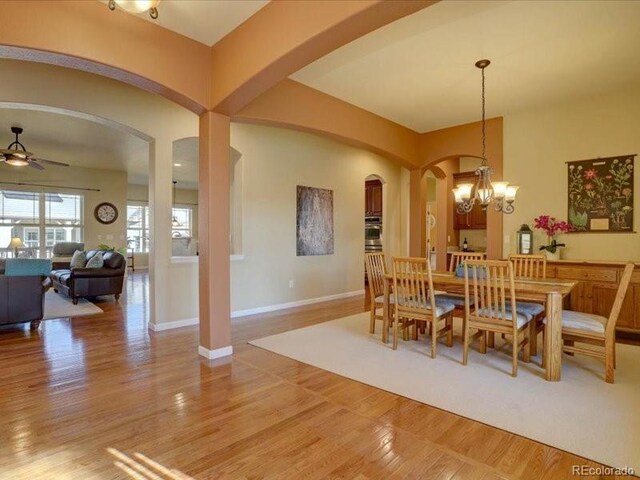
500 193
175 223
137 6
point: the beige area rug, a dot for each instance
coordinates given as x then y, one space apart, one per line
580 414
57 305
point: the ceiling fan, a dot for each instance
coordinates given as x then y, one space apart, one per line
16 155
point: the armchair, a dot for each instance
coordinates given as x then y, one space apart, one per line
22 297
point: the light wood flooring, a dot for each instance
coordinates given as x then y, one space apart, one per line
101 397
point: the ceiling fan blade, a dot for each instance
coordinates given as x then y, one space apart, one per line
33 164
44 160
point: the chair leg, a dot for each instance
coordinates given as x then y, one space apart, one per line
434 337
405 330
544 343
514 357
526 349
533 337
395 333
415 329
35 324
483 342
449 324
491 341
614 353
372 319
609 361
465 341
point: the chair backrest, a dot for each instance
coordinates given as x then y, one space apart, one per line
491 284
460 257
376 270
413 284
529 266
617 303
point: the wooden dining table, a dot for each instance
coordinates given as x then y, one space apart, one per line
551 292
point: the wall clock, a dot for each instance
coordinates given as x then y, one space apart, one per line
106 213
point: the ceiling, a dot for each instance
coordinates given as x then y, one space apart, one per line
205 21
419 71
84 143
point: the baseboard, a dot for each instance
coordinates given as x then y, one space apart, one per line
297 303
217 353
187 322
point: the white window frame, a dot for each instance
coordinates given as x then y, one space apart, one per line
44 251
145 231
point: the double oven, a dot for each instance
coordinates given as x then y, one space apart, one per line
372 234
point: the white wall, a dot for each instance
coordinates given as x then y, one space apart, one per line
275 161
537 143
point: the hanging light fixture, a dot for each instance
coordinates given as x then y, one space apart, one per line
501 193
174 221
137 6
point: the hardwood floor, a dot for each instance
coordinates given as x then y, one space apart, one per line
101 397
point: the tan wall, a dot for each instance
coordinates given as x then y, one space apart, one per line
537 144
112 185
275 161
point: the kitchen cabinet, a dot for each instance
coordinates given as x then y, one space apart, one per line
596 290
476 219
373 198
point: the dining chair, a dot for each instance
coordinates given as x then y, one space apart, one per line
595 330
458 258
416 302
532 267
529 266
491 284
376 268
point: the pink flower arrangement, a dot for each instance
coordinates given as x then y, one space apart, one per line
551 226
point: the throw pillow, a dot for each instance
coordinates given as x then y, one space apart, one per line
97 261
78 260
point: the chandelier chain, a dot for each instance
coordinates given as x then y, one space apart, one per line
484 133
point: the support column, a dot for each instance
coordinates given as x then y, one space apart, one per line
415 209
213 225
160 177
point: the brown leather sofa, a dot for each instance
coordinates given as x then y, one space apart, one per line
22 299
92 282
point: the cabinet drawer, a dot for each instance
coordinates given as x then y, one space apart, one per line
635 277
585 273
551 272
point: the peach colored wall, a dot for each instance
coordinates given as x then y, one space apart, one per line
88 36
466 140
293 105
291 34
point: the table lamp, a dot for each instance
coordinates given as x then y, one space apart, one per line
15 243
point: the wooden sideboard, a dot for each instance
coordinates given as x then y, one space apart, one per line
597 287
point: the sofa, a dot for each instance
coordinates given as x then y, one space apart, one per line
92 282
22 293
62 253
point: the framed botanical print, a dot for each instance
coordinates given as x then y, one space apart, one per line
601 194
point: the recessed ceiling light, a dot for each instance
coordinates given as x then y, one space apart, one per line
177 164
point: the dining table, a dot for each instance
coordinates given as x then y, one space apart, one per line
551 292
